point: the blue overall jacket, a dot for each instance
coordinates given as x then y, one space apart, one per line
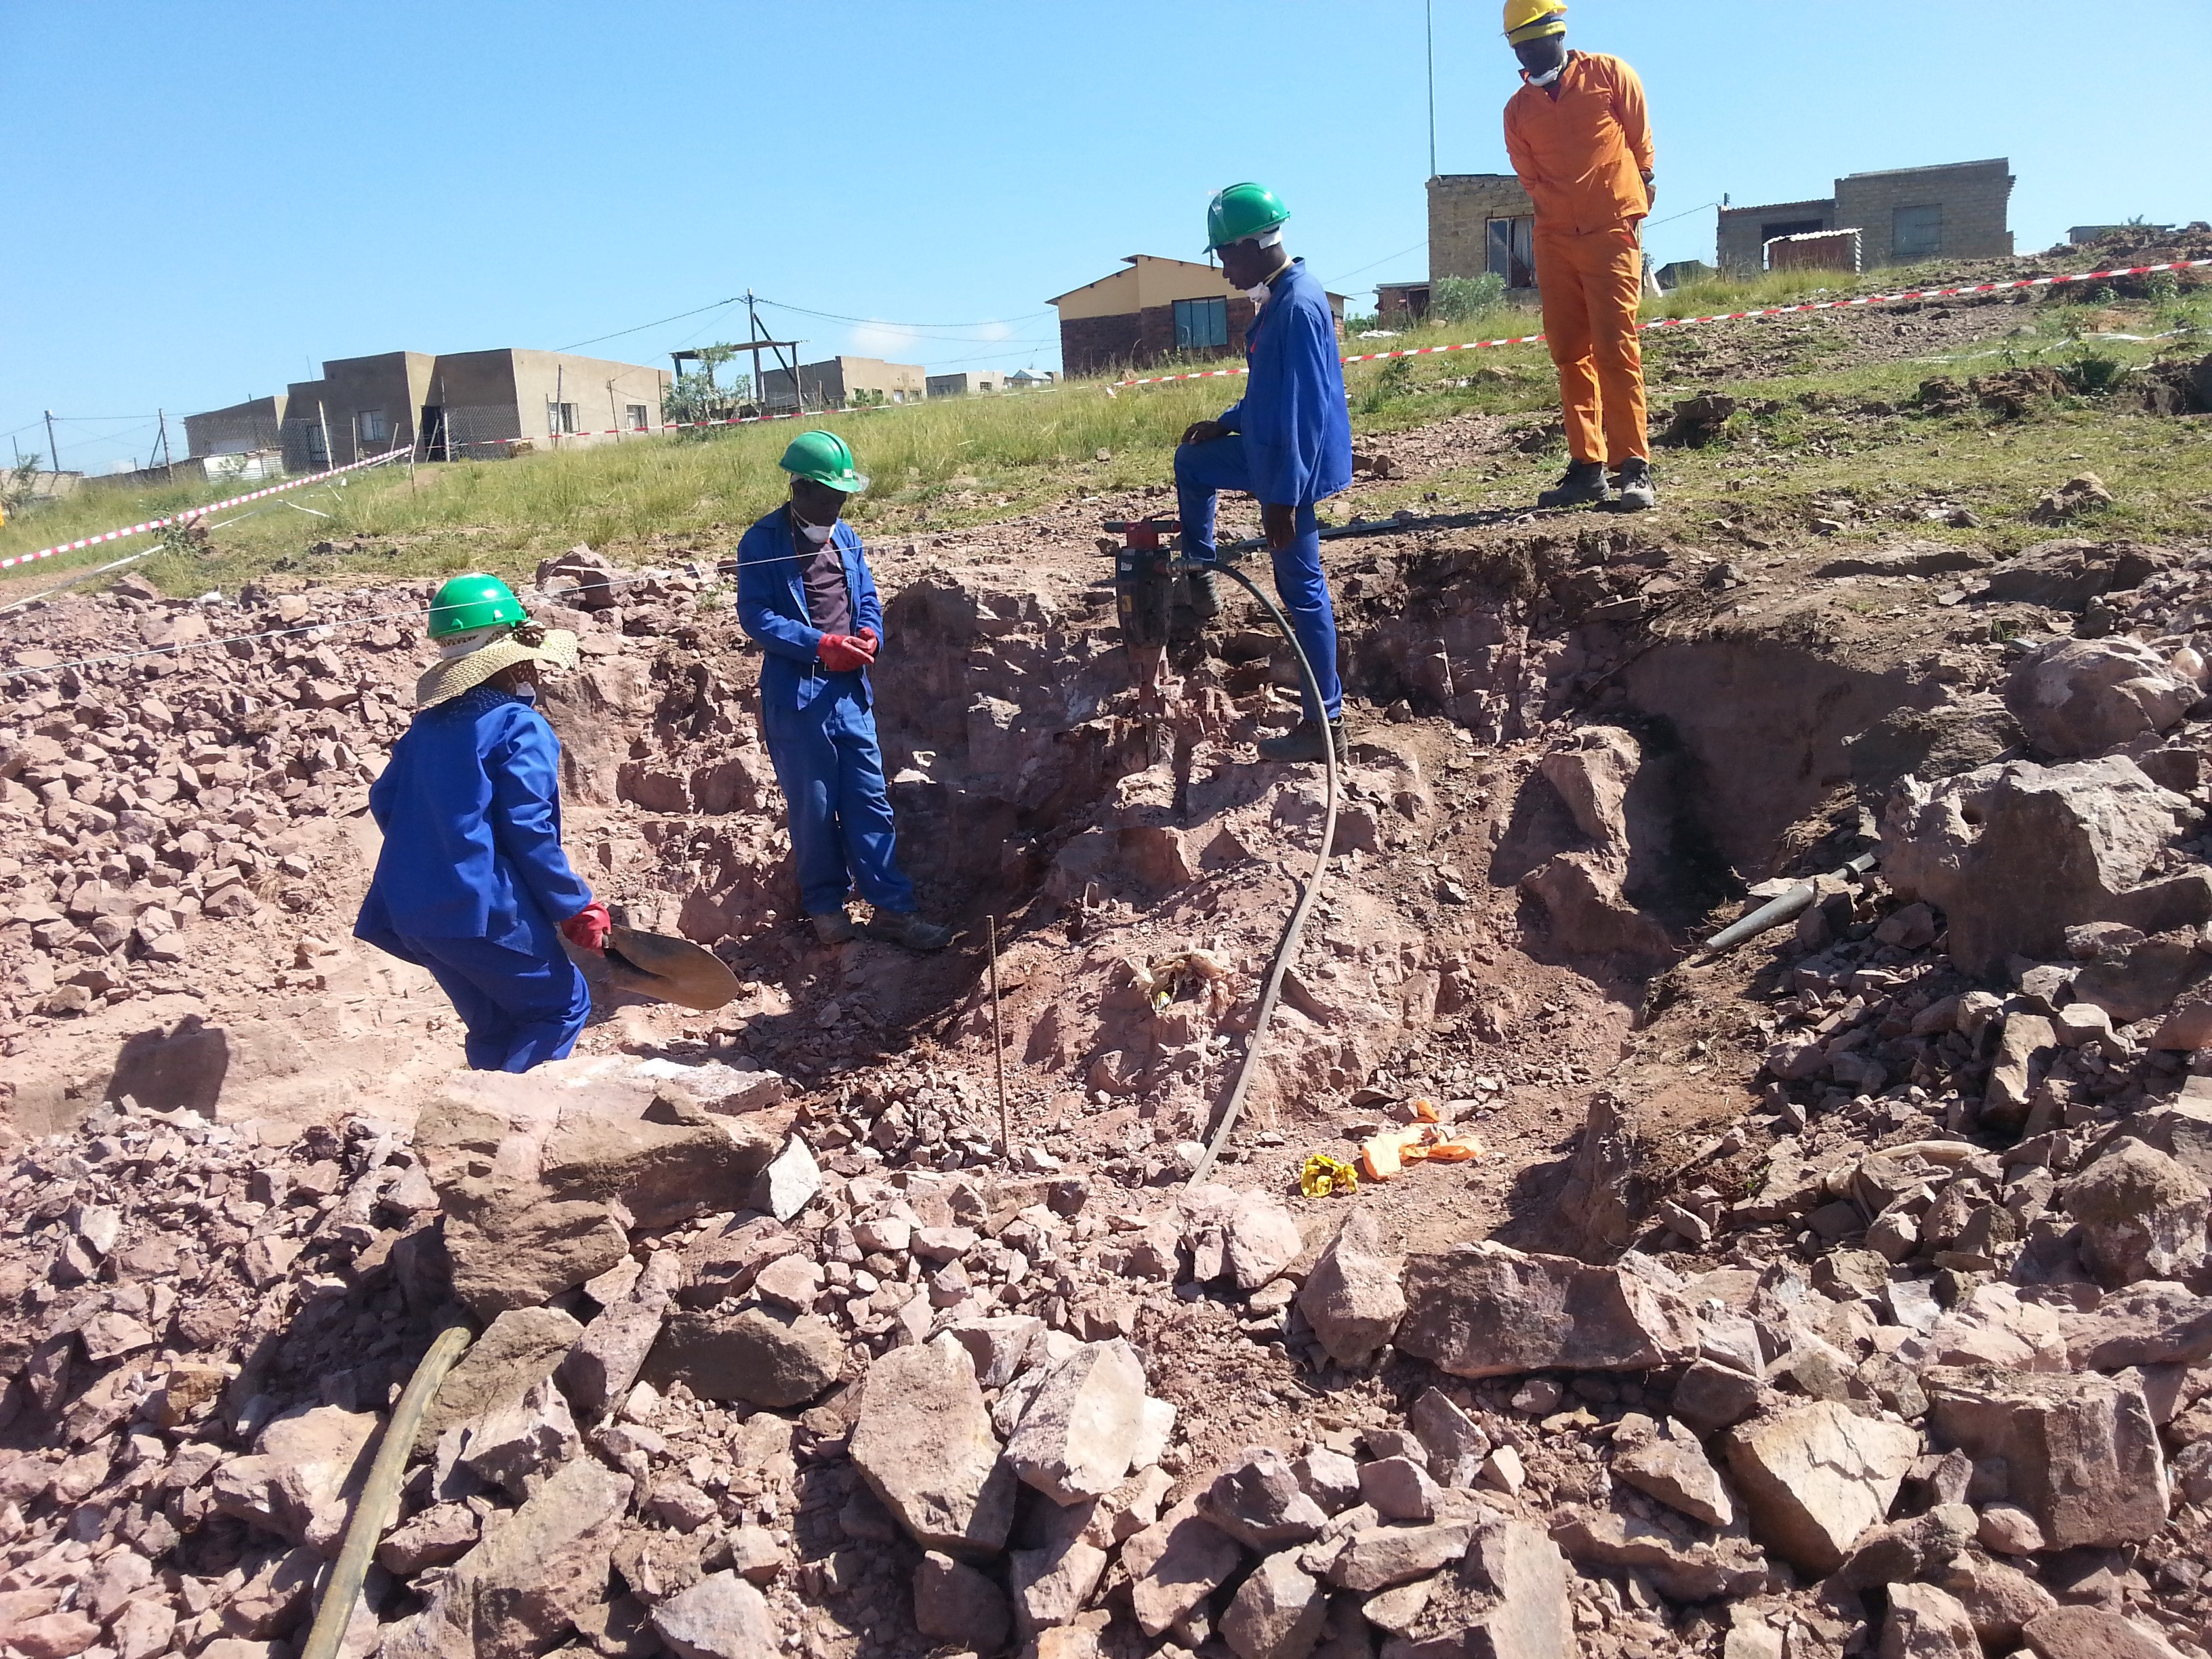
1297 432
772 609
470 804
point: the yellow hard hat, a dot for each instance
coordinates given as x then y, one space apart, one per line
1532 19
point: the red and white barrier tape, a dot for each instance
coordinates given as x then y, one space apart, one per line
1729 316
554 438
189 513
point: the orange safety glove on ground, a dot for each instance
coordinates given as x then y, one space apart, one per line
588 929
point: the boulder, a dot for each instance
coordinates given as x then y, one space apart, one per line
1683 1568
1455 1445
1665 1460
1600 1203
1261 1505
1927 1623
2000 1599
300 1480
2015 854
1398 1489
1051 1585
1532 1615
2094 1633
2081 1453
2142 1215
1352 1298
1076 1438
1263 1240
1488 1311
536 1570
520 1439
597 1372
2076 696
1813 1478
517 1350
1175 1564
1277 1613
753 1356
721 1617
1375 1558
925 1446
2156 1323
956 1603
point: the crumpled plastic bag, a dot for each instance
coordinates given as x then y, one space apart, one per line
1324 1174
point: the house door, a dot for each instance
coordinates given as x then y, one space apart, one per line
430 435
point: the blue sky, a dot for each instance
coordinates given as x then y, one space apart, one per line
206 202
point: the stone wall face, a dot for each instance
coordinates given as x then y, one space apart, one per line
1460 207
1973 198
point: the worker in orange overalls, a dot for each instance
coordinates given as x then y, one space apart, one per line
1580 140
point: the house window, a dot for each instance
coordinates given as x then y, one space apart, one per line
369 423
637 417
1513 251
560 417
1916 232
1200 323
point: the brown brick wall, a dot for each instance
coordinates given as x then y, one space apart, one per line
1973 196
1460 207
1743 242
1099 345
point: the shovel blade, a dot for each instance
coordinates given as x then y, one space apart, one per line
671 969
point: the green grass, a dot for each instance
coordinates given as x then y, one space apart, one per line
948 464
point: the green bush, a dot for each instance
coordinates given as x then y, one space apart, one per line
1458 299
2095 373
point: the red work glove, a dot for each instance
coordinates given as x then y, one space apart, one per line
840 654
866 641
588 929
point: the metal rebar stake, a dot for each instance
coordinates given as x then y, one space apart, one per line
998 1049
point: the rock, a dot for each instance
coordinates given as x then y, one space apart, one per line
2080 1453
1709 1396
2077 696
523 1438
790 1180
1330 1478
2078 494
754 1357
517 1350
1175 1564
1600 1201
1683 1569
792 1281
607 1359
1075 1439
1277 1613
52 1635
1353 1299
2156 1323
1454 1444
442 1532
1813 1478
1261 1504
2024 1049
1904 1550
998 1345
2141 980
1051 1585
2008 1529
535 1570
923 1444
2142 1214
1490 1311
511 1257
1927 1623
955 1602
1665 1460
721 1617
304 1467
2000 1600
1263 1240
2093 1633
1375 1558
1399 1488
1533 1617
2013 854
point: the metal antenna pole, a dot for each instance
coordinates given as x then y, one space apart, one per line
1429 8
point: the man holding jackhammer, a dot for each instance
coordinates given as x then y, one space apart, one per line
804 594
1581 141
1288 442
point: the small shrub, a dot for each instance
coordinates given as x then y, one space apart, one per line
1458 299
1396 380
2095 374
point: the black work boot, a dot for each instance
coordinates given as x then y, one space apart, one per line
833 927
1302 742
1205 595
1582 486
1633 481
903 927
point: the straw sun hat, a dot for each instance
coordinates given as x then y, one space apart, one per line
469 658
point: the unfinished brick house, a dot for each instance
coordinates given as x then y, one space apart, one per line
1903 215
1156 309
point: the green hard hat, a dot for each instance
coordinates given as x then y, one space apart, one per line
467 602
1242 211
825 457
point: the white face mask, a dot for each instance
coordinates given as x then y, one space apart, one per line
818 533
1257 296
1546 79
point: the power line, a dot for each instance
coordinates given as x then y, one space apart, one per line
642 327
1384 260
880 322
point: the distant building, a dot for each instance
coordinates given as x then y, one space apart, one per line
967 381
1401 305
2087 235
1682 272
841 382
1022 380
451 405
1482 222
256 424
1155 309
1954 211
238 467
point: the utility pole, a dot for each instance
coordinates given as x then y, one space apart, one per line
51 449
1429 7
162 415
